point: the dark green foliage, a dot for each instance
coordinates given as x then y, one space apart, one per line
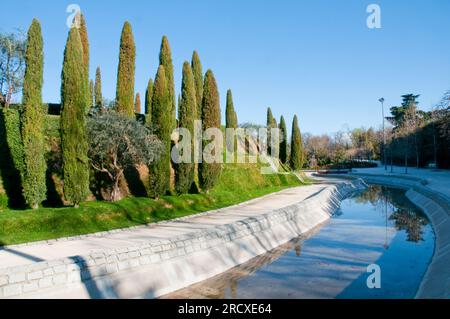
116 143
297 157
73 123
98 89
231 116
161 112
148 100
137 104
165 59
283 141
125 73
198 79
209 173
187 110
271 123
34 183
11 159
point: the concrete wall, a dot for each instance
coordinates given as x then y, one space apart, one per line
157 268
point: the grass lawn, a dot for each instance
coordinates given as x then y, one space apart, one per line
238 183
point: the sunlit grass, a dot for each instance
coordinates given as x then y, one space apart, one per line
238 183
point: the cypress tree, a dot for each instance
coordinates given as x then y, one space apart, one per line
198 79
73 122
165 59
98 88
91 93
283 141
148 99
187 110
209 173
34 186
137 104
125 72
231 116
85 42
161 106
296 158
271 123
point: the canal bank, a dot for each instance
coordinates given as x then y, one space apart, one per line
150 261
430 195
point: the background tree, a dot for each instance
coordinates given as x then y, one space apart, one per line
187 110
297 156
231 116
117 142
209 173
137 104
198 78
271 123
98 88
165 59
148 99
126 72
12 63
283 141
91 98
34 186
161 107
73 123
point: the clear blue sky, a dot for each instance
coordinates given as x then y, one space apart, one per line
315 58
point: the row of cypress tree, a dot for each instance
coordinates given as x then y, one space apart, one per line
296 157
199 100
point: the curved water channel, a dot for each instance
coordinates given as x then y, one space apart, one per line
378 226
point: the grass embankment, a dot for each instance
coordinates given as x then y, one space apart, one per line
238 183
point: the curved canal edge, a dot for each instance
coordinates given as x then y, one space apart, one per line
150 271
436 282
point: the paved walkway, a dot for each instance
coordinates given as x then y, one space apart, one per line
23 255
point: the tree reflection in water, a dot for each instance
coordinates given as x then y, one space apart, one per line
404 214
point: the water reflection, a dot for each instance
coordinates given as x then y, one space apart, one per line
378 226
396 208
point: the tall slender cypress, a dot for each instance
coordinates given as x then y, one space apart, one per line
165 59
187 110
209 173
126 72
73 122
34 186
296 159
161 106
91 93
137 104
271 123
198 79
283 141
230 114
98 88
148 99
85 43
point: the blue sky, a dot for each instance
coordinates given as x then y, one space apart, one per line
315 58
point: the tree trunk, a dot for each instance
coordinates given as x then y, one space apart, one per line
115 193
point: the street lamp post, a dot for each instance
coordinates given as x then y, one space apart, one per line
384 134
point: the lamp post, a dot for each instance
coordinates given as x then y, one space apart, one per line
384 134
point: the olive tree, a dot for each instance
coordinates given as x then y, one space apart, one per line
12 65
117 142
